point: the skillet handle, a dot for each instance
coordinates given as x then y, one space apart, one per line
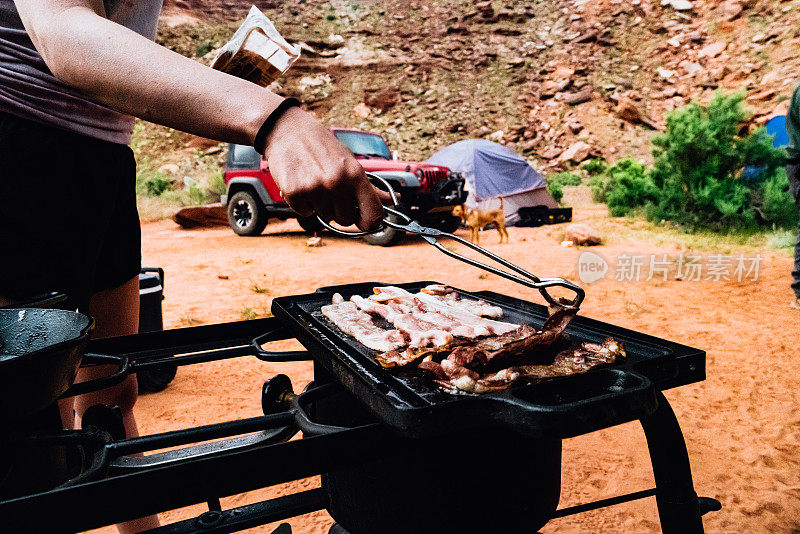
278 333
124 368
579 404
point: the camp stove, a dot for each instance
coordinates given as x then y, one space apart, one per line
377 438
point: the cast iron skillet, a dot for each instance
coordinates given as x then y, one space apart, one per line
40 351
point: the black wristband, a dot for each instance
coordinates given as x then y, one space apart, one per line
259 143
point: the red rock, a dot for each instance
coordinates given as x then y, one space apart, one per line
362 110
576 153
627 109
713 50
584 95
582 234
551 87
763 96
575 126
730 10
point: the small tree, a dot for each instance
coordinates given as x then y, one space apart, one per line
699 161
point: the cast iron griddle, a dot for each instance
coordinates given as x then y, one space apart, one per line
566 406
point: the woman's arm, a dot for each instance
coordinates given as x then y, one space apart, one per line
130 73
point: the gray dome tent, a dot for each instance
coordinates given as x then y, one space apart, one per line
493 171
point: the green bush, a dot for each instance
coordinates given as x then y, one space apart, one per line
625 187
216 183
595 167
565 178
698 165
598 185
204 48
697 179
196 194
149 181
555 190
556 183
773 203
156 185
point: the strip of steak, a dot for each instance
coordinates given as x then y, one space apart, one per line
359 324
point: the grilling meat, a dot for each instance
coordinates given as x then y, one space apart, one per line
576 360
359 324
459 343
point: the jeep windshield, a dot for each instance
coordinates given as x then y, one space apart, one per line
364 145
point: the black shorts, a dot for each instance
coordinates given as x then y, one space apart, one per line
68 217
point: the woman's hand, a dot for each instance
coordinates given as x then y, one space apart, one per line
317 174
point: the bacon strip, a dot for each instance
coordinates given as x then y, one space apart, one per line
481 325
459 349
448 296
352 321
420 328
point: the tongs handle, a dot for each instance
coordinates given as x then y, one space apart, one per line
431 235
384 223
527 279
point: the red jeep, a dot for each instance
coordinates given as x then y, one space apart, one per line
428 192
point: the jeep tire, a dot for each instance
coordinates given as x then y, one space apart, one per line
386 237
246 214
310 225
447 223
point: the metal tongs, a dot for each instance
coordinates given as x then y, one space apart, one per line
431 235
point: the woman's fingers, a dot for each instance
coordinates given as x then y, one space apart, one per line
315 171
370 209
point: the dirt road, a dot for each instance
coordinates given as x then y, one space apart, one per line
742 425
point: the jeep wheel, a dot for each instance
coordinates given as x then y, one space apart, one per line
448 223
311 225
246 215
386 237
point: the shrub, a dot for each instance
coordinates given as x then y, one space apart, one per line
598 185
216 183
149 181
566 178
555 189
773 203
556 183
197 195
626 186
782 239
204 48
595 167
156 185
698 165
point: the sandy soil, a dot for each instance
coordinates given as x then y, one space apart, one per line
742 425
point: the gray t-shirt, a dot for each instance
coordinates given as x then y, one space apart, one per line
28 89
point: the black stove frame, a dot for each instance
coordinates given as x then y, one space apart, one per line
257 452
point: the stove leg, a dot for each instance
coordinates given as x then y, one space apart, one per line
678 505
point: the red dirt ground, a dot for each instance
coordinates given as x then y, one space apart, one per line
742 425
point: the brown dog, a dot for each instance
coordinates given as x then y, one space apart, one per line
477 219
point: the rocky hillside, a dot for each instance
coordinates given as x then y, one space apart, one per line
558 80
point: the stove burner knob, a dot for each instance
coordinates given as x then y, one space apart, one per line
210 519
277 395
105 418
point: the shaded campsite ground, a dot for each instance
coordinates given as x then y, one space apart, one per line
742 425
